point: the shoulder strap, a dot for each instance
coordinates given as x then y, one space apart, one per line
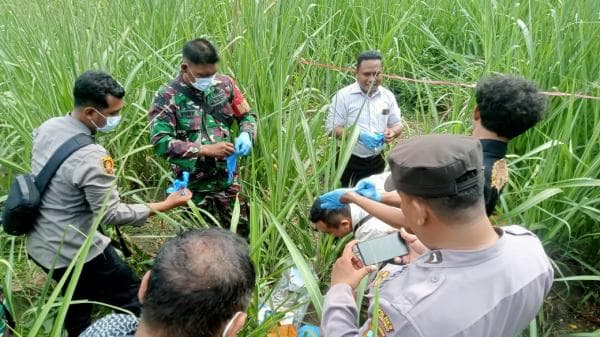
58 157
362 222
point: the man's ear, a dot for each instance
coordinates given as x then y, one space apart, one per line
421 210
237 324
144 287
88 112
345 225
476 113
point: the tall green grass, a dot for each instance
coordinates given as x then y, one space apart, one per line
554 168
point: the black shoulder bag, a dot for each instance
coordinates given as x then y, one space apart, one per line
21 208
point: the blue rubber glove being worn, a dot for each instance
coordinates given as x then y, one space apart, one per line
367 189
331 200
371 140
243 144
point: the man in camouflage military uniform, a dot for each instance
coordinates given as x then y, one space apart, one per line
191 122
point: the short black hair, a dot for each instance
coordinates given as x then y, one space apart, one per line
200 51
456 208
199 280
93 87
331 217
509 105
368 55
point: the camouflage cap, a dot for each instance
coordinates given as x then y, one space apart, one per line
429 166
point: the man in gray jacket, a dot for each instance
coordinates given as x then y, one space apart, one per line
82 188
463 277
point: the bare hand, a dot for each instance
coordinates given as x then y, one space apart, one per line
219 150
346 269
178 198
388 135
346 198
415 247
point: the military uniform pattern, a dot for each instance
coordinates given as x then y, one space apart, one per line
183 119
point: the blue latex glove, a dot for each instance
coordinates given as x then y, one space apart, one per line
243 144
371 140
367 189
309 331
180 185
231 166
331 200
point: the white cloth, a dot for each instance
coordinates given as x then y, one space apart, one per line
371 228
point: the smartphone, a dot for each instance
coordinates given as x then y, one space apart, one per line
380 249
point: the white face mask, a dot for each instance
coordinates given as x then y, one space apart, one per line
203 83
111 122
228 326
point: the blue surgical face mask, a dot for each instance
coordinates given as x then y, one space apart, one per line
203 83
111 122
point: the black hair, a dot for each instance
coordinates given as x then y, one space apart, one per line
200 51
93 87
456 208
199 280
368 55
509 105
331 217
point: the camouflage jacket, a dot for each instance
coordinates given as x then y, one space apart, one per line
182 119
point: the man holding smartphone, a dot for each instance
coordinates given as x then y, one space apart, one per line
473 280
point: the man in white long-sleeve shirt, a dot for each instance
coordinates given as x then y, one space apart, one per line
373 109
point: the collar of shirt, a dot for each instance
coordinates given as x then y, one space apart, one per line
494 147
355 89
444 258
78 125
357 214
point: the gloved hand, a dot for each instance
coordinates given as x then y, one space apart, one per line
367 189
231 166
331 200
371 140
180 185
243 144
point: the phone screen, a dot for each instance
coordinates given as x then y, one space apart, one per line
382 248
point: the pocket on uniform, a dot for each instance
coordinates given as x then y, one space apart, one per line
188 121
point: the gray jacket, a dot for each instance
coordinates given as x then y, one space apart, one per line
495 291
74 197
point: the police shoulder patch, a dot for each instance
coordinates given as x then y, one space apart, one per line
384 325
499 174
381 276
108 165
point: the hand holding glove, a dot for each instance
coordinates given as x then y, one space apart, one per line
367 189
180 185
370 140
331 200
243 144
